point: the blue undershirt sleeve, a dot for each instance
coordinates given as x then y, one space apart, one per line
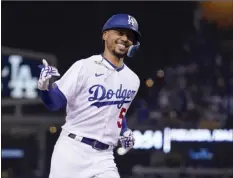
124 125
53 99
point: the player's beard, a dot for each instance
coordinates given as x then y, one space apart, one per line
112 49
118 55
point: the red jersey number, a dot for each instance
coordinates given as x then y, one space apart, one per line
121 117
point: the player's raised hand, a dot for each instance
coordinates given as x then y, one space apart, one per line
46 73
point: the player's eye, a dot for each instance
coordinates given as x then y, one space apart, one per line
131 37
120 33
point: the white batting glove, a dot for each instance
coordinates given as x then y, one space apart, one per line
46 73
127 140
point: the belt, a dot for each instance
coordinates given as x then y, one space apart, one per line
94 143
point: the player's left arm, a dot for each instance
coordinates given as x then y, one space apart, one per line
124 125
126 136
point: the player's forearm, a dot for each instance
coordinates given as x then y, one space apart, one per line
53 99
124 125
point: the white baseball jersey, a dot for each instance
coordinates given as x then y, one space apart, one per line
98 97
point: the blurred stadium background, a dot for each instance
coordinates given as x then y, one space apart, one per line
182 116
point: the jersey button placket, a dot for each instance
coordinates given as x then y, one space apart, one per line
106 130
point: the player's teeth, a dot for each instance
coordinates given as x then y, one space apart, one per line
121 45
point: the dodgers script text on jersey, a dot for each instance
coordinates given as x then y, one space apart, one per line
100 94
92 84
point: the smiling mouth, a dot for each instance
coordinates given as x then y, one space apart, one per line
122 46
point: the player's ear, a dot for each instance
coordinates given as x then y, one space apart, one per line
104 35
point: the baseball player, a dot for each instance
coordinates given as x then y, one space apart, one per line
97 92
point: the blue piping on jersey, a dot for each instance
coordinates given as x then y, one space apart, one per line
115 67
53 99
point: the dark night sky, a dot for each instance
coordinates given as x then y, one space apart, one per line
71 30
